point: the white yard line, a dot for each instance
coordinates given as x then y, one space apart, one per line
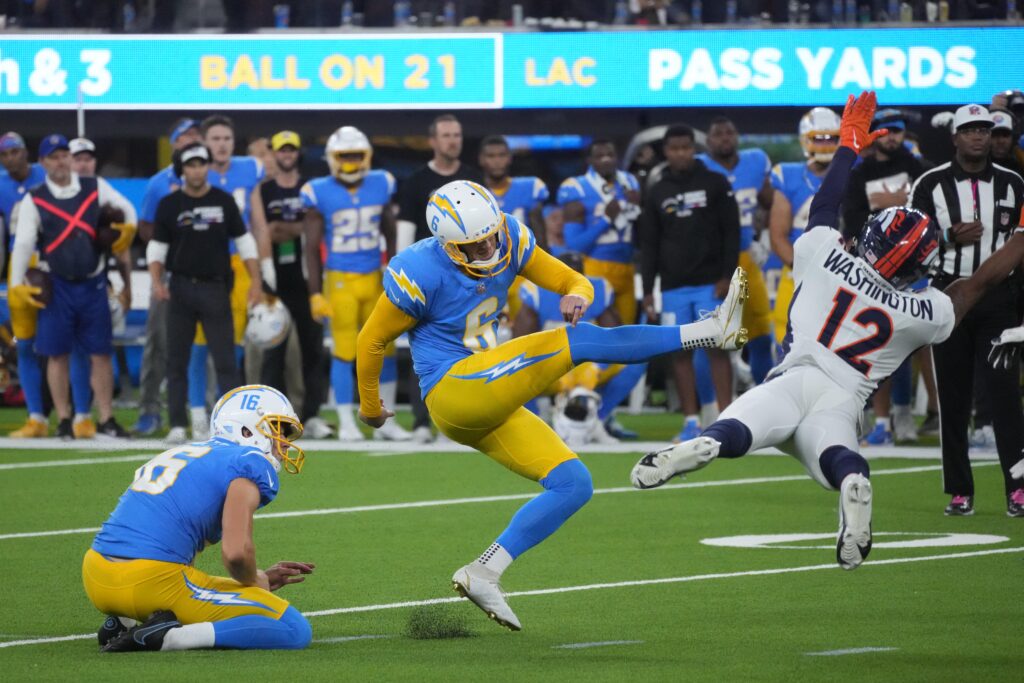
486 499
850 651
597 586
349 639
78 461
603 643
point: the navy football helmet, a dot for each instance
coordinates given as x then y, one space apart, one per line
901 244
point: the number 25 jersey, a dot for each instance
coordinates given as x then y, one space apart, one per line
849 321
351 219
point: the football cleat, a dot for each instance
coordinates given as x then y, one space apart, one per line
904 428
879 436
422 434
654 469
32 429
391 431
84 429
350 433
113 430
960 506
65 432
729 314
480 585
146 636
615 428
317 428
853 543
1015 504
113 627
691 430
176 436
147 424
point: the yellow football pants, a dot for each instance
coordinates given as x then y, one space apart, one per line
352 297
479 402
623 279
24 317
756 312
137 588
783 297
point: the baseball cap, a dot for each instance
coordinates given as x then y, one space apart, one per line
285 137
51 143
181 128
971 113
891 119
197 152
79 145
1002 120
11 140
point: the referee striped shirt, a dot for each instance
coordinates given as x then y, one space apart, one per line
951 195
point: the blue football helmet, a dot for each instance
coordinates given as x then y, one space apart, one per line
901 244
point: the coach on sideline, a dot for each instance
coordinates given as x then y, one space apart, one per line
190 239
977 206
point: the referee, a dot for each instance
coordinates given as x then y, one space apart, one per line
976 205
190 239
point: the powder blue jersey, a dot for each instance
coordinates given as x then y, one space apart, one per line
161 184
11 192
173 508
351 219
798 184
747 179
545 303
243 174
522 196
457 313
594 192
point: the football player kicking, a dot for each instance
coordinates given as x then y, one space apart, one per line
852 322
140 567
447 292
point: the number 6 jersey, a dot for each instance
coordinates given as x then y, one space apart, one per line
849 321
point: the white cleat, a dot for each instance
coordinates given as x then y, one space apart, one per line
729 314
392 431
350 433
176 436
317 428
480 585
422 434
654 469
853 542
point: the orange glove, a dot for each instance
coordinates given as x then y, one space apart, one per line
856 124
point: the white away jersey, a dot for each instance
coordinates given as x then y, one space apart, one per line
848 321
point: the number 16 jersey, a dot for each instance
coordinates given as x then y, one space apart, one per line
849 321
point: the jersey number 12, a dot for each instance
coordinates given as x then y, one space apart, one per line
853 352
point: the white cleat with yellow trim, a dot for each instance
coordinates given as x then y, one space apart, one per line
480 585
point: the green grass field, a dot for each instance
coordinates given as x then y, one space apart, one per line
627 582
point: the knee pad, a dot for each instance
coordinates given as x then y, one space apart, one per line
302 632
572 479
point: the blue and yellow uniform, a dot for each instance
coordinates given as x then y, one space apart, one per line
518 198
23 317
142 558
747 179
160 184
795 181
607 245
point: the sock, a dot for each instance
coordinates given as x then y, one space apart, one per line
903 383
82 417
81 389
389 370
615 391
759 357
189 637
495 558
885 422
199 417
567 488
694 418
38 417
625 344
30 374
341 381
253 632
839 462
345 418
734 436
197 376
702 372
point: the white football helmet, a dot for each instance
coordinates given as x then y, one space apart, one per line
819 134
269 324
348 140
463 212
260 416
576 416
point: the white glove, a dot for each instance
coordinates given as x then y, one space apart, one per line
1017 471
944 119
1006 347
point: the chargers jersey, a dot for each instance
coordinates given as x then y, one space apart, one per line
11 192
594 192
747 179
521 196
457 313
796 181
161 184
850 322
243 174
351 219
173 508
546 303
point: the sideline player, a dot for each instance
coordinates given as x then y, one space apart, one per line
447 292
140 566
350 211
853 321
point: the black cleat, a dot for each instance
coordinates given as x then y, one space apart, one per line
960 506
1015 504
65 432
112 628
147 636
112 429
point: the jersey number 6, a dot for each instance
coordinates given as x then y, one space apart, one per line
157 475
